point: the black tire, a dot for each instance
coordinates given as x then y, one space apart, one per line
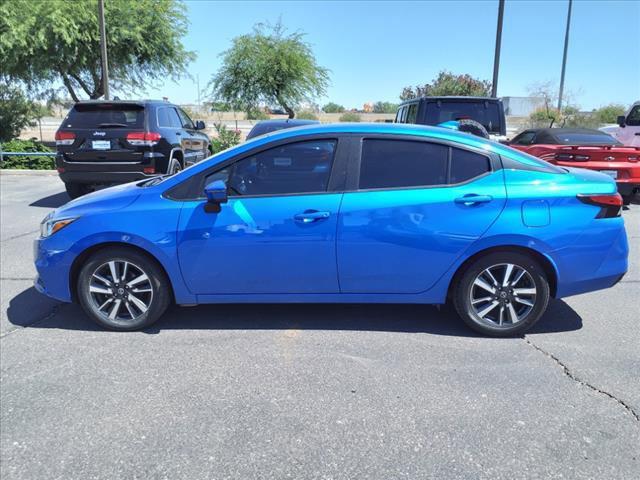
75 190
158 298
174 166
473 127
464 289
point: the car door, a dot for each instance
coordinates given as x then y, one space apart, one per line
414 209
277 232
192 145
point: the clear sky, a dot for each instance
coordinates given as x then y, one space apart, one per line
375 48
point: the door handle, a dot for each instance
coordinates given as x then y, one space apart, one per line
309 216
473 199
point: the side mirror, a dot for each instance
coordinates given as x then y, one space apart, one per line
621 120
200 125
216 193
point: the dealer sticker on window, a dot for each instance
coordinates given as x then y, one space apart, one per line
611 173
101 144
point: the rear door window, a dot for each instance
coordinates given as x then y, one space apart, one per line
105 115
168 118
402 163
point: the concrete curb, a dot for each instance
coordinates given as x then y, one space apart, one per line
11 171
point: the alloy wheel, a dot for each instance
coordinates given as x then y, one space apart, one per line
503 294
120 291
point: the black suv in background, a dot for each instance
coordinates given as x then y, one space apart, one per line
487 111
110 142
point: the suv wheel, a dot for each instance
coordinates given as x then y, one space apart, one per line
502 294
174 167
121 289
75 190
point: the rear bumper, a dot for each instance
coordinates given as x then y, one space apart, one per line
598 259
104 173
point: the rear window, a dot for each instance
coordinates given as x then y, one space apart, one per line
466 165
105 116
486 113
575 138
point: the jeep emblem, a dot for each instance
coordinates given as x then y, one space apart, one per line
99 134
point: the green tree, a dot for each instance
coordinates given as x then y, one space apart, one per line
16 112
47 43
332 108
610 113
350 117
447 83
269 66
385 107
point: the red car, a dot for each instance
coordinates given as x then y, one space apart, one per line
585 148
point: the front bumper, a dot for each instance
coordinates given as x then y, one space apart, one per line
53 267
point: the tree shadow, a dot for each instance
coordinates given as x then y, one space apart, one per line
52 201
559 317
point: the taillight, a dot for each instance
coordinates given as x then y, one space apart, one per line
147 139
610 204
65 138
572 157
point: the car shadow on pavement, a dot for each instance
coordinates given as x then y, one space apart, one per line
52 201
560 317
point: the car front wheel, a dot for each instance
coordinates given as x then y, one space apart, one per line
122 289
502 294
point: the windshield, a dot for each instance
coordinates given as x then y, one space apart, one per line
572 138
486 113
105 115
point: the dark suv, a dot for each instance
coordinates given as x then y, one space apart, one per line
487 111
110 142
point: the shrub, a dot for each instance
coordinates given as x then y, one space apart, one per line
307 115
225 138
609 113
385 107
332 108
16 112
26 163
350 117
257 114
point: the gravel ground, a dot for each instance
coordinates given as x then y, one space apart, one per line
310 391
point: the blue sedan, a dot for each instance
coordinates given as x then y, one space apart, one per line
383 213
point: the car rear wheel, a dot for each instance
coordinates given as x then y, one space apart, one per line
174 167
121 289
75 190
502 294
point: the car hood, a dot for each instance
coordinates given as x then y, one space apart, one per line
108 199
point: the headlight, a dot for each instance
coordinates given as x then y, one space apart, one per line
50 226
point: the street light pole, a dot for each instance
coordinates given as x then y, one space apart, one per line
564 57
496 57
103 50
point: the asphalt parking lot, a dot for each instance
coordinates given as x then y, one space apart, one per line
310 391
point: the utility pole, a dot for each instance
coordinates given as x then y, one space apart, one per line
198 87
564 57
496 57
103 50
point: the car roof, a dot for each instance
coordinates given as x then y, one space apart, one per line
457 98
287 121
124 102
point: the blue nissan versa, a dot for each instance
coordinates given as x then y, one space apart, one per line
342 213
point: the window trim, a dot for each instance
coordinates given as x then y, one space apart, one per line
335 185
353 179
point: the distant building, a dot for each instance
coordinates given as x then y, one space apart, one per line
521 106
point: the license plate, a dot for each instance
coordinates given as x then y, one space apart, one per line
101 144
611 173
